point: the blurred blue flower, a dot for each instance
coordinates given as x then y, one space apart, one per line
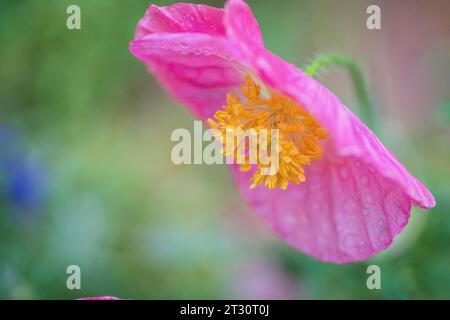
22 180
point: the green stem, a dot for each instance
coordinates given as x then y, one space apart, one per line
359 82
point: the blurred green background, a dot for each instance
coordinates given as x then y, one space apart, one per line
86 176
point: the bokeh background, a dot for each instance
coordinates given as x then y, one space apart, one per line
86 176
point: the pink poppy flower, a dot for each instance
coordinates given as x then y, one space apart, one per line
340 195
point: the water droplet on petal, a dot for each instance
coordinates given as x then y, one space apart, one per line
365 180
350 241
369 199
384 237
350 205
344 173
402 220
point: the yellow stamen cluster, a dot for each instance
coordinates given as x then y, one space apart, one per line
299 132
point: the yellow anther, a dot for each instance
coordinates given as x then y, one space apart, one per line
299 132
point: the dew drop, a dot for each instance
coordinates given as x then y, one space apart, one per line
369 199
384 237
325 229
288 222
344 173
401 220
350 205
303 220
350 241
364 181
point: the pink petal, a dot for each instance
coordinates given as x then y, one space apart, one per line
181 17
188 49
241 24
184 45
356 199
349 137
343 212
196 68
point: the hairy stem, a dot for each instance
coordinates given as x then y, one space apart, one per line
359 83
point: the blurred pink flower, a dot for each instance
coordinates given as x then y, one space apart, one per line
100 298
351 197
257 278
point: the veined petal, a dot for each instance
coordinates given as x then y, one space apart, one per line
195 68
241 25
349 137
356 199
343 212
181 17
